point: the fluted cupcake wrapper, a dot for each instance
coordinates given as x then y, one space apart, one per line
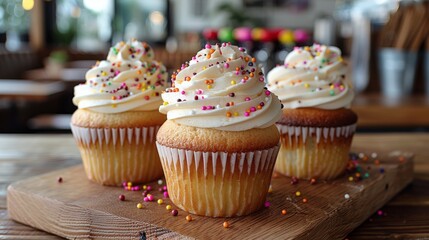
312 152
113 155
217 184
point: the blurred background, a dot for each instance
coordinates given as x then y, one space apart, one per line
46 46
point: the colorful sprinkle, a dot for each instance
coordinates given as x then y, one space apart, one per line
225 224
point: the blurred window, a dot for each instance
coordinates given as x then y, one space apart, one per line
84 24
15 22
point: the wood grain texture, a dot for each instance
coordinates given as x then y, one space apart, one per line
23 156
379 112
78 208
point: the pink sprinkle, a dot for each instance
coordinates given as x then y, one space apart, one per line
226 65
124 184
166 194
117 72
379 212
243 81
267 204
148 188
150 198
267 92
208 46
146 199
246 114
164 188
193 58
261 79
241 49
203 108
247 99
252 109
237 73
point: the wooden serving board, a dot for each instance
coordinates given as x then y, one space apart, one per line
80 209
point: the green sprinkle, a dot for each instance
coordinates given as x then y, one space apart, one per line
332 93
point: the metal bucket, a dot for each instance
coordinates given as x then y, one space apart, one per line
397 69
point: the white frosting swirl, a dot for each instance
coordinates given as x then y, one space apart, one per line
129 80
221 88
312 77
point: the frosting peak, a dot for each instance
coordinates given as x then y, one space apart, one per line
312 77
129 80
130 51
221 88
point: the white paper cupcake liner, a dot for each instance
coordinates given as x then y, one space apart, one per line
314 152
113 155
325 133
217 184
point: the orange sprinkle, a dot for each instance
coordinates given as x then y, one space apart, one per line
140 72
252 74
226 224
237 69
284 212
259 107
304 200
187 79
228 114
211 51
253 59
246 77
246 59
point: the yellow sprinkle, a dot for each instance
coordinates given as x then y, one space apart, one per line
340 59
298 193
350 179
114 106
103 74
139 205
235 114
168 207
306 85
129 184
332 87
209 86
204 68
165 103
160 201
144 187
233 82
144 89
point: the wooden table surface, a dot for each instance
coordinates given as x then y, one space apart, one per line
405 217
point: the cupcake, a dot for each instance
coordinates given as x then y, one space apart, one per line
117 118
317 126
219 144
